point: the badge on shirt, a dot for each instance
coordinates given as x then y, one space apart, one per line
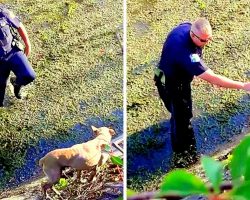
2 22
195 57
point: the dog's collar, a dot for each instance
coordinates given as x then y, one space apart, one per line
108 142
103 140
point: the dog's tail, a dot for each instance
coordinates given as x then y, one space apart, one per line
41 162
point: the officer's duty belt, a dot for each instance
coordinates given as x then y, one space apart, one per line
160 74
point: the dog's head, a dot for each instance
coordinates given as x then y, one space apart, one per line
105 132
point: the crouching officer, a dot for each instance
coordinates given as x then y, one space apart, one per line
181 60
12 58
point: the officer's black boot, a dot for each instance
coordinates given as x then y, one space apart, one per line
192 150
17 88
2 92
183 144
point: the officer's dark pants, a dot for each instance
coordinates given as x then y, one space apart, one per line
179 104
17 62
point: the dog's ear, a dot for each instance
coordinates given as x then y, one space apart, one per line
111 131
95 130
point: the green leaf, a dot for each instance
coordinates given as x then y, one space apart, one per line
62 184
117 160
240 160
120 198
107 148
130 193
242 192
213 170
247 171
180 182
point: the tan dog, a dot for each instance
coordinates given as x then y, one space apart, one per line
80 156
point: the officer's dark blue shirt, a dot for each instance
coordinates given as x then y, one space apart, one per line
7 20
10 17
181 58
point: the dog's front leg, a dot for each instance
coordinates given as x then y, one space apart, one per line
92 174
104 158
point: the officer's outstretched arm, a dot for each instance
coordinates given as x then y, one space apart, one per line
222 81
24 35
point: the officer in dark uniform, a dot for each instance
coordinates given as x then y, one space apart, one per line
180 61
12 58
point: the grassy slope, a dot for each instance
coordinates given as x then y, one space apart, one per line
149 21
78 61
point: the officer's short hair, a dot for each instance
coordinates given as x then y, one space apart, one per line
201 25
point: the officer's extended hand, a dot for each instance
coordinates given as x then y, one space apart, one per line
246 86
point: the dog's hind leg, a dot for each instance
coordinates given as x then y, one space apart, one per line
45 187
53 176
78 177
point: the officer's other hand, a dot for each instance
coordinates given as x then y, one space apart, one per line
27 50
246 86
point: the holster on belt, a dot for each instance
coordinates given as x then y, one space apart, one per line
18 44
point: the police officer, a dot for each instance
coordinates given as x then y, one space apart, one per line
12 58
181 60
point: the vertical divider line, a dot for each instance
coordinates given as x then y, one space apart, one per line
125 99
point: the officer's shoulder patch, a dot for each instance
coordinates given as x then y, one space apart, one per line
195 57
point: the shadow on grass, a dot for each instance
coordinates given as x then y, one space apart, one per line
149 150
81 132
